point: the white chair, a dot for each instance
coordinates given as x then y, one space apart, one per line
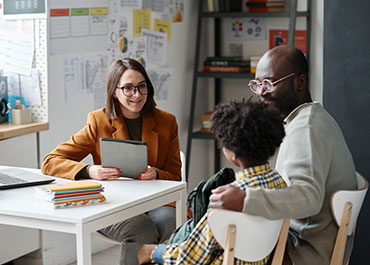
183 178
183 166
346 206
247 237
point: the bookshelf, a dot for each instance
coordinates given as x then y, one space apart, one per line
290 12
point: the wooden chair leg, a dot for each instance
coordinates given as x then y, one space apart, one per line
281 243
340 243
230 246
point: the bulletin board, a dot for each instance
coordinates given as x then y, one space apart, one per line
26 69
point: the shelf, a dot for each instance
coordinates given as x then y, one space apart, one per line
202 135
226 75
8 130
289 16
251 14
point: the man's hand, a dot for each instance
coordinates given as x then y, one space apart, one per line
227 197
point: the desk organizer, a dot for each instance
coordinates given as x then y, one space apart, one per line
21 116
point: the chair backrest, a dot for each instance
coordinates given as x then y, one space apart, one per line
345 206
355 197
183 166
256 236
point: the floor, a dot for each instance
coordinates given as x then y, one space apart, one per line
109 256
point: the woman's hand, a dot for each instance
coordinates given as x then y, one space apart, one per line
149 174
103 173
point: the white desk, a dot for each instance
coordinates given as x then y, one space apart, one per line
125 199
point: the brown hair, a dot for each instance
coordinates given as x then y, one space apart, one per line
116 70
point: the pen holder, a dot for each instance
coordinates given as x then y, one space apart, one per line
21 116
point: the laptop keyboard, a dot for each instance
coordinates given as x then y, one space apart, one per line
5 179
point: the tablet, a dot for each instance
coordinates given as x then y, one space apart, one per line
130 156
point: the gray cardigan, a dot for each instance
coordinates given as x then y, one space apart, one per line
315 158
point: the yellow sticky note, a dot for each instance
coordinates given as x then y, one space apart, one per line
142 19
164 26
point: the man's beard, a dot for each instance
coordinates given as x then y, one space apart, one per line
283 108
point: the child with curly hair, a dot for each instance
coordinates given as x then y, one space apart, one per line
248 133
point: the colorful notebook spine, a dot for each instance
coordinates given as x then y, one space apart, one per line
70 194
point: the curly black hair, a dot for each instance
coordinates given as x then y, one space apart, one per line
252 130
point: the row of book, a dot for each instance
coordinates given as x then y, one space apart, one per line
77 193
232 64
264 6
224 5
246 5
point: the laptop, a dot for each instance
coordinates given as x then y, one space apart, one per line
130 156
15 178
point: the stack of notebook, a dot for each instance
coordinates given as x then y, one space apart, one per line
70 194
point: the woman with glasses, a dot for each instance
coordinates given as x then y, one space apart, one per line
130 113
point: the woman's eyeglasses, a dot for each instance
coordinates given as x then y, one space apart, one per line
130 90
267 84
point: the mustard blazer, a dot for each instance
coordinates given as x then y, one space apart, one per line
159 131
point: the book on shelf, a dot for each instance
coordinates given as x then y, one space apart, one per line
266 4
224 58
228 63
70 194
264 1
267 9
232 5
211 6
279 36
226 69
206 122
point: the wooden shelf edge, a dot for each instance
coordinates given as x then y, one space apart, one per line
253 14
202 135
225 75
8 130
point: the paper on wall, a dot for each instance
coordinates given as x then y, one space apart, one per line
142 19
174 10
99 21
13 84
162 25
246 28
16 53
154 5
74 78
155 46
96 78
161 78
131 4
30 88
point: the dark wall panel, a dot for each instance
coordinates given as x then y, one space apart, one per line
346 92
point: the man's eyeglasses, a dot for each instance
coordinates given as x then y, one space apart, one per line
267 84
130 90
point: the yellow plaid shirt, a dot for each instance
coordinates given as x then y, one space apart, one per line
201 247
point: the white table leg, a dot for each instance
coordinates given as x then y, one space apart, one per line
83 243
181 208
